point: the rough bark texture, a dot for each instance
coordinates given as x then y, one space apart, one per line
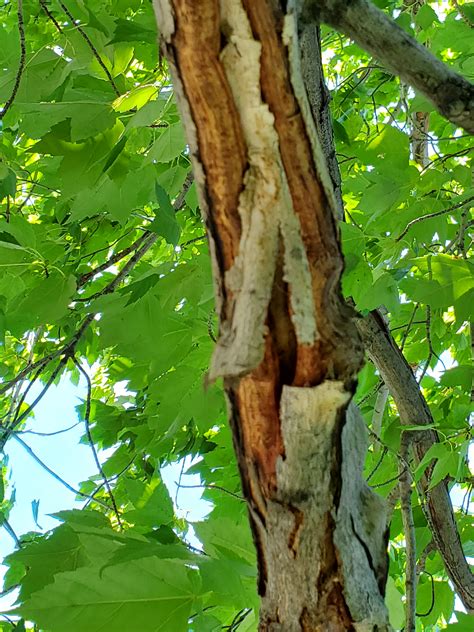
288 350
385 354
451 94
413 410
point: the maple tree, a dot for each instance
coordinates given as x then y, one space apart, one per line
106 277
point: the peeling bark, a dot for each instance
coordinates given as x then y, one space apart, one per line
288 350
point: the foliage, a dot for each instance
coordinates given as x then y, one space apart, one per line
99 270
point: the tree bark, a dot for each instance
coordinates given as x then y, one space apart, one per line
288 350
414 410
385 354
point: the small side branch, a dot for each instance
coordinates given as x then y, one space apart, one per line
87 415
21 65
451 94
92 47
431 215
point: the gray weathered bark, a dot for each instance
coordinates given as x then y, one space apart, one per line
385 354
288 350
413 410
451 94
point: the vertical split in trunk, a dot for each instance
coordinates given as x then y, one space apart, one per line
288 351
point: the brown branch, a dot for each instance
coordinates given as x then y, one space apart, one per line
91 46
413 409
21 65
451 94
68 348
50 15
455 207
118 256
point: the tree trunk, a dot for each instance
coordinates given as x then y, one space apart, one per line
288 351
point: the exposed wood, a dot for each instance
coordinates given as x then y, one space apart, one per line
288 349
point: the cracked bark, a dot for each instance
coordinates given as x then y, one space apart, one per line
390 361
288 350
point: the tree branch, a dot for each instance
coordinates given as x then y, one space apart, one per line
53 473
451 94
412 408
21 65
87 415
431 215
88 41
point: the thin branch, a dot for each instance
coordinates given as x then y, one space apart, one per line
87 415
377 33
53 473
50 15
20 417
431 215
381 458
47 434
11 532
21 64
211 486
69 347
118 256
101 485
92 47
405 483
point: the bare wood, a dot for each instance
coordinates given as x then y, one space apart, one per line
287 350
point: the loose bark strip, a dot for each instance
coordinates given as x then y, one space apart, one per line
288 350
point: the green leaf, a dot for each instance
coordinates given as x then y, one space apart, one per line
44 303
131 31
165 223
8 184
169 145
394 602
150 595
135 98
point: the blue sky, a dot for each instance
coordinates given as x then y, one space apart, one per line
73 461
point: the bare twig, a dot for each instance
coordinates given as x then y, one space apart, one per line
91 440
53 473
118 256
92 47
431 215
44 6
211 486
379 410
21 64
11 532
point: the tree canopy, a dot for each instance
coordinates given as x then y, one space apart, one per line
106 277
